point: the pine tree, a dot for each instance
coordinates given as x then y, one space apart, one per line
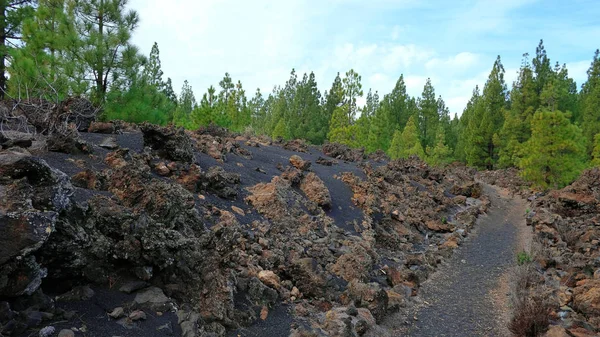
554 155
185 106
40 67
395 149
441 154
170 92
281 130
541 68
306 113
352 90
380 133
465 127
590 101
596 152
399 109
408 143
428 115
333 98
105 50
516 129
487 119
12 14
340 129
258 112
203 113
153 70
392 114
363 124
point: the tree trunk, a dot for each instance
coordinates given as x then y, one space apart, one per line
100 90
3 48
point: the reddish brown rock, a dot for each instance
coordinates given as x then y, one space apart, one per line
586 297
315 190
269 278
297 162
101 127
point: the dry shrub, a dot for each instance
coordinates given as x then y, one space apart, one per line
567 233
531 306
531 316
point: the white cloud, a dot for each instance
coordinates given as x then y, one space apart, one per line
578 71
454 63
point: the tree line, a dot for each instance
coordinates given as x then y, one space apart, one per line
545 124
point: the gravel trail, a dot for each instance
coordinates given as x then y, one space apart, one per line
467 295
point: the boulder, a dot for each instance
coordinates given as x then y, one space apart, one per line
168 142
586 297
315 190
299 163
370 296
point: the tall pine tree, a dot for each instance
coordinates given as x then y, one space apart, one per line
590 102
554 155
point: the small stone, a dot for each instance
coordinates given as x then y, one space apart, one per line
264 312
162 169
47 331
154 297
109 143
167 328
263 242
117 313
144 273
137 315
133 286
269 278
66 333
238 210
81 293
239 164
295 292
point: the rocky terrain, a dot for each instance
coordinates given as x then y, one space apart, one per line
566 256
129 230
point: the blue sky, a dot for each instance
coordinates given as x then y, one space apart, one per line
453 42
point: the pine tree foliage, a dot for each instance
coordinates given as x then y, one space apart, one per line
41 67
12 15
441 154
596 152
554 155
407 143
590 99
352 88
104 49
340 129
428 115
487 120
185 106
57 48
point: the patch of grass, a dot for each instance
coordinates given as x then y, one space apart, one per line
530 301
523 257
444 220
531 317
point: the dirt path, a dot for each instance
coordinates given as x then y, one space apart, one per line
467 296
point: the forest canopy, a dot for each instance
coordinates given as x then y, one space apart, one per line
543 123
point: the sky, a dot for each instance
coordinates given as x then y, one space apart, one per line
454 43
